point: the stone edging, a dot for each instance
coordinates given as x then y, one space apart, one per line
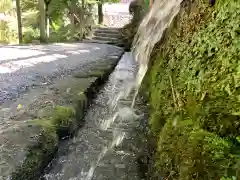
63 122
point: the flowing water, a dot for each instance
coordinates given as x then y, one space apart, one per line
150 32
107 146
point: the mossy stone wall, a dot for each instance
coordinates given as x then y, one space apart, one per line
192 86
137 9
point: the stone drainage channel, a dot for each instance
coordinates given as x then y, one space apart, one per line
77 127
61 129
108 145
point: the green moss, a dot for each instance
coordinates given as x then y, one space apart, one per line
187 152
59 124
61 120
195 75
64 120
204 71
156 122
207 69
38 156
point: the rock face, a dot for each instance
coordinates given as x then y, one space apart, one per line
44 95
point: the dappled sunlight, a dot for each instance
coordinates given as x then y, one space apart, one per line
13 66
56 47
74 46
8 53
14 58
4 70
78 51
66 45
34 80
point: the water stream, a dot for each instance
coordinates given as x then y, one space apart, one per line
106 147
150 32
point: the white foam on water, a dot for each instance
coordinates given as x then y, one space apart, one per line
150 32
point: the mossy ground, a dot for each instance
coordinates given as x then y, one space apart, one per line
193 90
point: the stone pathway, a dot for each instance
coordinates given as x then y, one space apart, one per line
106 36
34 76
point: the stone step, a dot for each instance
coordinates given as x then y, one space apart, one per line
120 44
108 30
102 38
105 34
88 40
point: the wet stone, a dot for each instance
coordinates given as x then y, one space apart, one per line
104 153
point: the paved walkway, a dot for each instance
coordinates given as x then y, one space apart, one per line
25 66
30 75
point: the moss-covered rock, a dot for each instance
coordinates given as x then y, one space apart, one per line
60 124
194 74
38 156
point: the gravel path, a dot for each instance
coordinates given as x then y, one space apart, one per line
22 67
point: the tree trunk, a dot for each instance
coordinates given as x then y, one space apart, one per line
73 11
47 25
83 4
73 17
100 12
41 6
19 20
